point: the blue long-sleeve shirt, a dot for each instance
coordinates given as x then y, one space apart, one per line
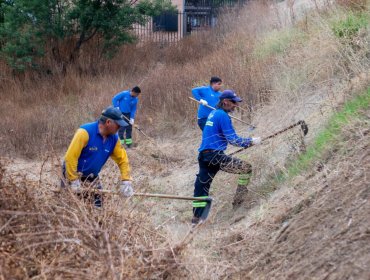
219 131
208 94
126 103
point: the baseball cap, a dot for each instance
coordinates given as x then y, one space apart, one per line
230 94
114 114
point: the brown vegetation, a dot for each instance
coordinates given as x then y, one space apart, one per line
42 109
353 4
301 71
57 235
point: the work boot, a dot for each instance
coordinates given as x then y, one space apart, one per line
196 221
241 190
122 141
98 201
128 142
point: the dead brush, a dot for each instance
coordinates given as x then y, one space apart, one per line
43 235
353 4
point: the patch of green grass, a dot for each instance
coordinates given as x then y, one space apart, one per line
277 42
350 26
327 137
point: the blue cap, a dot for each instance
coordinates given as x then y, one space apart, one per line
230 94
114 114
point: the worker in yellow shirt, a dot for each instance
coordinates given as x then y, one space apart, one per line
91 146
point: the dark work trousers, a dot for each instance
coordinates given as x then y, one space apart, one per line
126 130
92 180
202 123
210 162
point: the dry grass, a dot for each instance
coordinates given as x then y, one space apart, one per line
297 77
353 4
46 235
303 230
308 79
43 110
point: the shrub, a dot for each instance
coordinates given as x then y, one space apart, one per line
350 26
58 236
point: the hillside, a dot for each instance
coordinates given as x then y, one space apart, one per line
306 215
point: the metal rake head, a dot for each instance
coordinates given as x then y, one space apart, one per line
304 127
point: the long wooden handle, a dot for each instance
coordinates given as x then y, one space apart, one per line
138 128
146 195
172 196
302 123
210 107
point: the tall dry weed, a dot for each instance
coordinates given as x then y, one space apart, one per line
353 4
43 108
57 235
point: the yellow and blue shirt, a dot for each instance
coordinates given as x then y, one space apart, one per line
206 93
219 131
88 152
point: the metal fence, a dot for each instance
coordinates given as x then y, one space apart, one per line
213 4
170 27
167 28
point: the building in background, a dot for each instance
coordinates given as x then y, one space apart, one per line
190 16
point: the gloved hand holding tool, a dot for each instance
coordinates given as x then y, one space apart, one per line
203 102
126 188
75 185
256 141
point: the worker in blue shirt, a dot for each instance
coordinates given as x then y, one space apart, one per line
127 101
207 95
90 148
217 133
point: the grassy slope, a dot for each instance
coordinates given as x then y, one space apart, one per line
324 231
332 131
243 244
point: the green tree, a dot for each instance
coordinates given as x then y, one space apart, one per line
30 28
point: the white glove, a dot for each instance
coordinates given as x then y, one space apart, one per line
75 185
203 102
256 141
132 121
126 188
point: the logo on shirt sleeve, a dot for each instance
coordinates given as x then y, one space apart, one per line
209 123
